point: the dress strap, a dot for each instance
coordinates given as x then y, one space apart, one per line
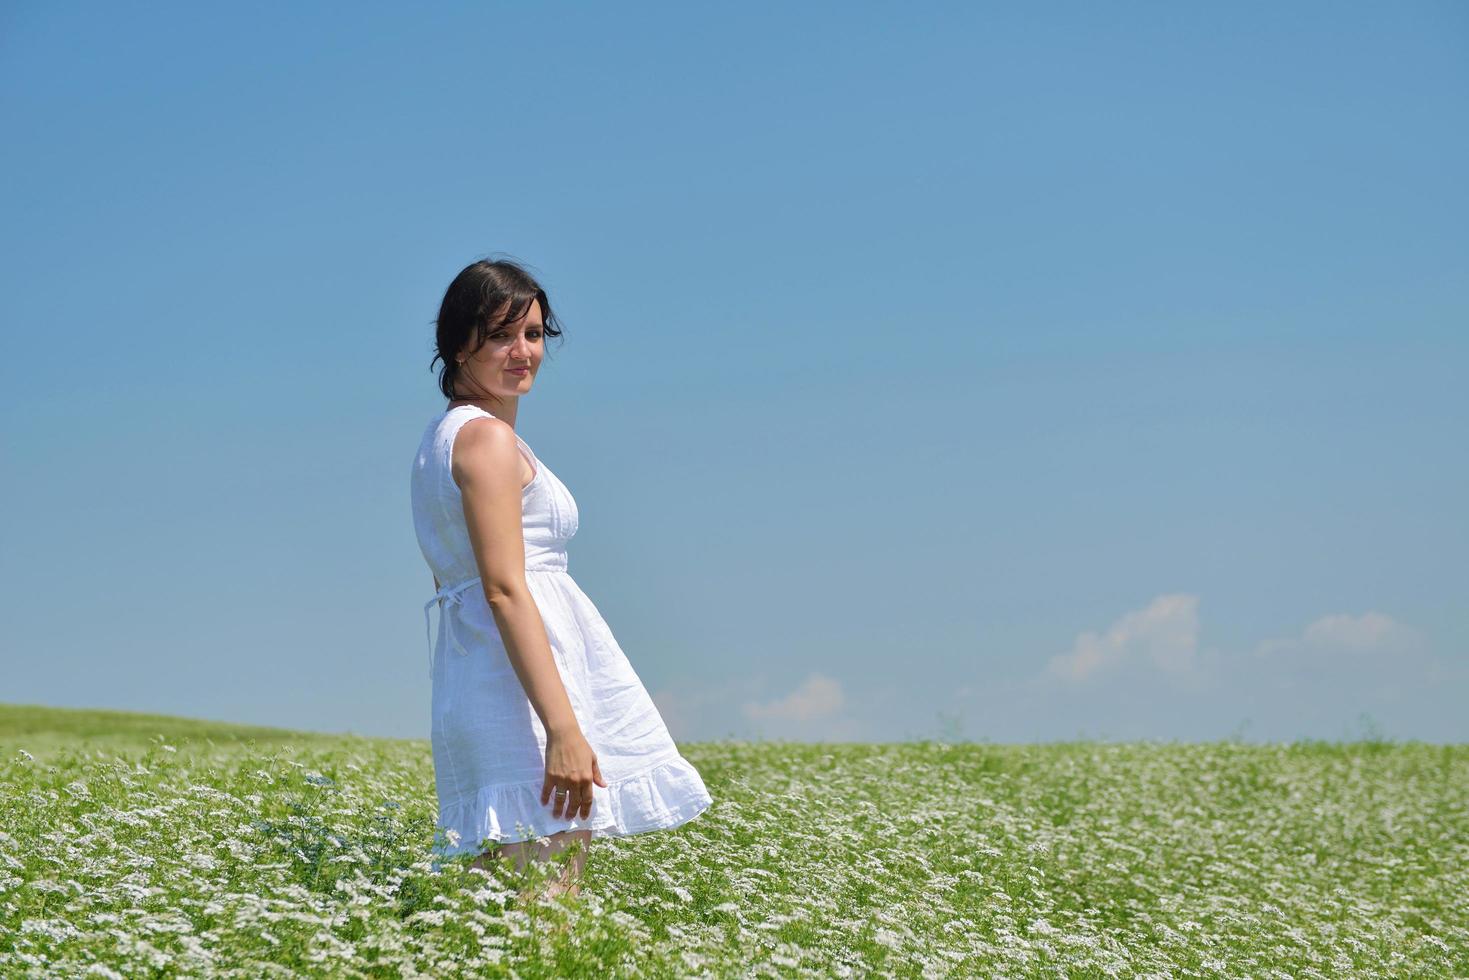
453 595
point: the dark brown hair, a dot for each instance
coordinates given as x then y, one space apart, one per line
467 314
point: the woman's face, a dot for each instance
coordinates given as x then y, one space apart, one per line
506 365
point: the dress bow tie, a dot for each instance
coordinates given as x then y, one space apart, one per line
449 595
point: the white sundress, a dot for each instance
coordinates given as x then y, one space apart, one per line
489 746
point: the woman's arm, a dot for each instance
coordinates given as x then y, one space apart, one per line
486 465
487 469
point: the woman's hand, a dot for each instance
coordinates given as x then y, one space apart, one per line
571 768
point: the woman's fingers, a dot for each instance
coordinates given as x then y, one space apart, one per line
571 801
570 797
586 806
572 770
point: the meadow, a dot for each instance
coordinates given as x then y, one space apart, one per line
137 846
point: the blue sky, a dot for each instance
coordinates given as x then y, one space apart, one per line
974 370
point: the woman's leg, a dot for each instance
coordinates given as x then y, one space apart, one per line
524 852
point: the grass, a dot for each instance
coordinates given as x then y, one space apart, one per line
154 846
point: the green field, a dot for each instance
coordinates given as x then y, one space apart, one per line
134 846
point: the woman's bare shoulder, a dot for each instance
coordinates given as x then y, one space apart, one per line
484 448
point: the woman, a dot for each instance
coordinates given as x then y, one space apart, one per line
541 728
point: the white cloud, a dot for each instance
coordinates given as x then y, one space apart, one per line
817 697
1371 632
1165 634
